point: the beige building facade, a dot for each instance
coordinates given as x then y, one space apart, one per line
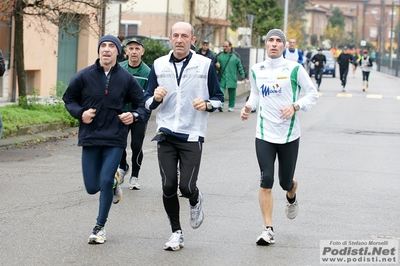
48 56
155 18
52 56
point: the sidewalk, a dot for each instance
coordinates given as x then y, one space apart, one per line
51 131
40 136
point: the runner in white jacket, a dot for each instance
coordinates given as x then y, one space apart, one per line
276 83
275 89
184 87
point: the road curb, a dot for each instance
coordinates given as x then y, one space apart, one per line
38 133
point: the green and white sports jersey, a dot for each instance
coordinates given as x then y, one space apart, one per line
276 83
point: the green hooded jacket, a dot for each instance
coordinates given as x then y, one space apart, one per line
229 75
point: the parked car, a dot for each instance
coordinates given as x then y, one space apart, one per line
330 66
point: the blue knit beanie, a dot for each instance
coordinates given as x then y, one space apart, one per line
110 38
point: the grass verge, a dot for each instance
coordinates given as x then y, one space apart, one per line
15 117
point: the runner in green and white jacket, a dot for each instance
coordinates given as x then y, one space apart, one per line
275 89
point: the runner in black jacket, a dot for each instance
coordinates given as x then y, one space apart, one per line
97 96
344 59
319 61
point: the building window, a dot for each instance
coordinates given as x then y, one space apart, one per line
129 27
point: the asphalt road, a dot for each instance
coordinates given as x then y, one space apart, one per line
349 183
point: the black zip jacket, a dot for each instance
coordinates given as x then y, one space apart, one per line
321 58
87 90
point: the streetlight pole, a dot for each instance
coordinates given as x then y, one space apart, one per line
286 18
398 48
363 20
391 36
250 18
382 35
357 26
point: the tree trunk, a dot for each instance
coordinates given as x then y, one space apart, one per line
19 50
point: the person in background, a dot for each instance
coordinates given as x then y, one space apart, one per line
134 65
319 61
307 56
356 57
205 51
278 129
228 64
373 55
122 56
344 59
292 53
97 96
2 70
337 52
366 67
184 85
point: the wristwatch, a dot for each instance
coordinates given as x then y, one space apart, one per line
296 107
208 106
135 116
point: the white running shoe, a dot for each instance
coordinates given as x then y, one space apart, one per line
134 183
175 242
98 235
231 109
292 210
266 237
121 173
196 213
117 189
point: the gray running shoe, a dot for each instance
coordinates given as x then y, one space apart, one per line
98 235
121 173
175 242
292 210
117 189
266 237
134 183
196 213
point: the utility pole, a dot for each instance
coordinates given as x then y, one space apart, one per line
382 34
286 18
398 48
250 18
363 20
357 43
391 35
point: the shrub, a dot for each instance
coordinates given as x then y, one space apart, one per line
154 50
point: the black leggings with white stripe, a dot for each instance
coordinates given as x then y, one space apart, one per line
172 153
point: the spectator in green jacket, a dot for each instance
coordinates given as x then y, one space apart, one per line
228 64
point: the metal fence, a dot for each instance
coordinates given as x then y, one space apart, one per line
385 66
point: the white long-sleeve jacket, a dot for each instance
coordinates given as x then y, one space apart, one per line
276 83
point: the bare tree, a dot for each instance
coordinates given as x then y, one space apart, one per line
38 13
